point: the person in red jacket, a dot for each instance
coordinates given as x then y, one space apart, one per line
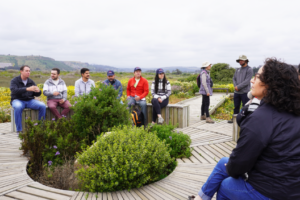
137 90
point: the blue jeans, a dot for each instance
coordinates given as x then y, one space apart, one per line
19 106
237 99
227 187
141 103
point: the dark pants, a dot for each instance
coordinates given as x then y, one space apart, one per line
205 105
53 103
238 98
156 107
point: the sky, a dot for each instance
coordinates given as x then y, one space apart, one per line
156 33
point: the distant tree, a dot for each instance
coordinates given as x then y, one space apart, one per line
222 72
176 71
255 69
168 72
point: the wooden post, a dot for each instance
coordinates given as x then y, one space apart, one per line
175 116
180 117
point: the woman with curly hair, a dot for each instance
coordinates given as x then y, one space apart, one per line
266 161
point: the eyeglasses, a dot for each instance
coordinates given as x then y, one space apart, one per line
256 76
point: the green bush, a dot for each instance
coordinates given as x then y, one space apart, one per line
4 116
191 78
179 143
98 111
124 159
50 142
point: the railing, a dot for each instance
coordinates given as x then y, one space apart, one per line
174 114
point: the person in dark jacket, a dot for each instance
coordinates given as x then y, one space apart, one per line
23 90
241 82
266 161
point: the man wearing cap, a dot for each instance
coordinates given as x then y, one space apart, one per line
114 82
241 82
84 84
137 90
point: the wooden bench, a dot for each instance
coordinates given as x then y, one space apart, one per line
197 93
176 114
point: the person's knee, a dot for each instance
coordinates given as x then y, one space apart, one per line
223 161
154 100
17 105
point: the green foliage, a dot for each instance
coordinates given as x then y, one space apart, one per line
124 159
4 116
225 111
191 78
98 111
178 142
222 72
43 139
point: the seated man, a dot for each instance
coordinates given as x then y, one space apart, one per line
23 90
56 91
84 84
114 82
137 90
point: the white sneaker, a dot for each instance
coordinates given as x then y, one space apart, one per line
160 120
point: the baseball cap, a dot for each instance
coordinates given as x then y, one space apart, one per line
110 73
160 71
137 68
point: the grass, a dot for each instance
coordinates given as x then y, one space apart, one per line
225 111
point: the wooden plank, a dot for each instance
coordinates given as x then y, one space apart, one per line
184 117
79 196
143 197
6 198
180 117
171 115
167 118
43 193
46 188
151 195
149 113
175 116
23 196
135 195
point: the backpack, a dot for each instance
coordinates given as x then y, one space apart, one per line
199 81
137 117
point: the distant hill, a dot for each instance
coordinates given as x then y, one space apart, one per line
35 62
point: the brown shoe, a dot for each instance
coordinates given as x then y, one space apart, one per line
209 120
203 117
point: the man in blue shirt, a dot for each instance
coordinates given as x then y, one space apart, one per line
114 82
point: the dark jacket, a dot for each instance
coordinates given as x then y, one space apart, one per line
18 89
269 151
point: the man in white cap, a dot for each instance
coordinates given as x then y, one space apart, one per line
241 82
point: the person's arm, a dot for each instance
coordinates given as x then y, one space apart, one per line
249 147
120 91
234 78
77 89
46 91
154 95
247 79
65 93
203 80
15 89
128 88
146 89
36 94
93 83
198 81
163 97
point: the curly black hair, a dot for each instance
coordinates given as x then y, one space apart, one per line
282 86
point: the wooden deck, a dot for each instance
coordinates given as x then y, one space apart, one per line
210 142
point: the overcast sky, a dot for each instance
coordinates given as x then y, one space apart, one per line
156 33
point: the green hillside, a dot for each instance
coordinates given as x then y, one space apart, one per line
35 62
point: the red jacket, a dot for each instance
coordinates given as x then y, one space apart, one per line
141 90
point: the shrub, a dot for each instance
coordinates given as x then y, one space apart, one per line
124 159
98 111
179 143
50 142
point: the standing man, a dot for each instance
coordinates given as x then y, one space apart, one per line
84 84
23 90
114 82
56 91
137 90
241 82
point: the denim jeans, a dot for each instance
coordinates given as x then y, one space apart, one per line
227 187
237 99
142 103
19 106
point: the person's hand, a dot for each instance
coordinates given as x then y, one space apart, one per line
208 94
236 88
137 98
31 88
159 100
36 89
62 101
55 93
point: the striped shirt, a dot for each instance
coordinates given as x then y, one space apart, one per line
163 94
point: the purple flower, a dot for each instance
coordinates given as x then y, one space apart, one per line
55 147
73 96
132 104
128 97
75 102
170 137
53 119
57 153
49 162
95 97
178 131
127 108
100 89
35 124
